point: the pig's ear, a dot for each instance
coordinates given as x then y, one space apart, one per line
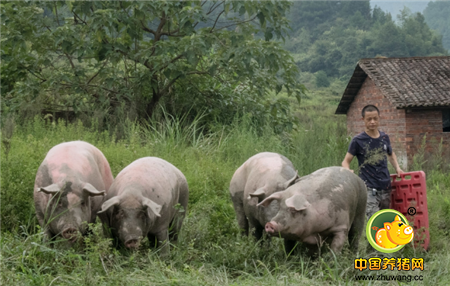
90 190
50 190
397 218
109 203
297 203
291 181
152 206
268 200
259 193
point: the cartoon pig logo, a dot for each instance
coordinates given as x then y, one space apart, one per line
394 233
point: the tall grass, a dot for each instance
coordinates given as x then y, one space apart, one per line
210 250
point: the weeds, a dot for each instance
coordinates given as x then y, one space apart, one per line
210 250
7 132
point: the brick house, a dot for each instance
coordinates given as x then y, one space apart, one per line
413 96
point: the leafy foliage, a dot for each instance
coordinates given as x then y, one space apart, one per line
437 17
209 250
331 36
81 56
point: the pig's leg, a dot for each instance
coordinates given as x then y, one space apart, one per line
177 222
240 214
162 241
152 240
175 226
338 241
255 228
313 250
289 246
47 233
355 232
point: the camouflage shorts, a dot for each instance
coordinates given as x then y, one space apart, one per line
376 201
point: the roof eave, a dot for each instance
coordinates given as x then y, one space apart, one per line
353 86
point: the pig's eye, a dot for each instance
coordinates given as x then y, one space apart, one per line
141 215
120 213
83 203
400 224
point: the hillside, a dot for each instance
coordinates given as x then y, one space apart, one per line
328 38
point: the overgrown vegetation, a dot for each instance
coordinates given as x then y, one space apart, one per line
82 71
100 58
210 250
331 36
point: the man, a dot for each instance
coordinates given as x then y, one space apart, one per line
371 147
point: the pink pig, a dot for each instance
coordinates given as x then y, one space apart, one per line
69 187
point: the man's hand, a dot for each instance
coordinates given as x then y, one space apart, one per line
347 160
399 171
393 160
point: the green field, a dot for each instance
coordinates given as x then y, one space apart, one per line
210 250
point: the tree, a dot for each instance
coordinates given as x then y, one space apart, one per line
84 54
437 17
339 33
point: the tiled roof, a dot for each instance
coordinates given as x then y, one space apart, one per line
406 82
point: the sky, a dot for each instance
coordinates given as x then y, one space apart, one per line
394 7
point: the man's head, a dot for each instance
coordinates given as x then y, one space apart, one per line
371 116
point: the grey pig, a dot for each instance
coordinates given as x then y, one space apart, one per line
259 177
327 204
142 202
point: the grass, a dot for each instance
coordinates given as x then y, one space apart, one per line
210 250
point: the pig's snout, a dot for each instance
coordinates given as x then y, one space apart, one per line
70 234
408 230
132 243
271 228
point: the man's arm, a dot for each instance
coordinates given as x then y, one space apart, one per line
347 160
393 160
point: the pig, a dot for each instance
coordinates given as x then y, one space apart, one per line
328 204
69 187
147 198
394 234
258 178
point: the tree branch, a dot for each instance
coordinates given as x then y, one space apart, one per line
96 74
238 23
170 62
147 29
158 35
70 60
160 26
76 16
214 8
217 19
197 72
31 72
56 14
164 90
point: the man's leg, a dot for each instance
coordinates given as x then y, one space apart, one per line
373 203
385 199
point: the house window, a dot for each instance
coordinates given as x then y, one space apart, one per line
446 120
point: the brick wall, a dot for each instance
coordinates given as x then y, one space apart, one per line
392 120
420 123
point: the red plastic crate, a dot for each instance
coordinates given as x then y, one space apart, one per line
410 190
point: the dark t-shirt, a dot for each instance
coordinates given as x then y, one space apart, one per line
371 154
